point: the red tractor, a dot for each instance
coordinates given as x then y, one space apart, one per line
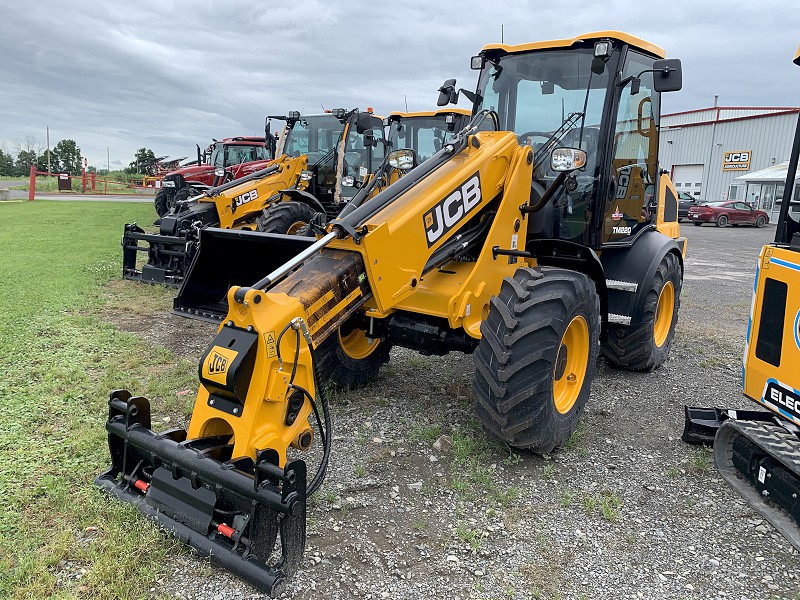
225 160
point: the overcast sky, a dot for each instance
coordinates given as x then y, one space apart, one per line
168 74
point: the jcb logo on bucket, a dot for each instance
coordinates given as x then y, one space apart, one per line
447 213
216 364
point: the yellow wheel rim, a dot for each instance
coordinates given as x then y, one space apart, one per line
664 312
571 362
295 227
357 345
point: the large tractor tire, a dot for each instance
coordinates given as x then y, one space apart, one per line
537 357
286 217
184 193
645 347
163 202
348 359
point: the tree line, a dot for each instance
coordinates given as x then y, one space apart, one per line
64 157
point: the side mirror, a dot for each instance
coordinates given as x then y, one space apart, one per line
402 160
363 122
667 75
369 138
564 160
447 93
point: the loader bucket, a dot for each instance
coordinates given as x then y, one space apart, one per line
230 509
228 257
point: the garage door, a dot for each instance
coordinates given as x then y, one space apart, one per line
688 178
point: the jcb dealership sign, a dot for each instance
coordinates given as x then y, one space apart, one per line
738 160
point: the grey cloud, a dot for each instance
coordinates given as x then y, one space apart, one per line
167 75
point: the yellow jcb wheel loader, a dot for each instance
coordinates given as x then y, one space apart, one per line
523 244
758 451
311 168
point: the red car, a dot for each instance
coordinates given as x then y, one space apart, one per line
727 213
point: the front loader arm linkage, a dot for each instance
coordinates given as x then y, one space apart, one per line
230 509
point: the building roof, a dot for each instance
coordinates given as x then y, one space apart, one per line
773 173
719 114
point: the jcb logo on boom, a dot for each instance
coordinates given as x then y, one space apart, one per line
245 198
447 213
217 363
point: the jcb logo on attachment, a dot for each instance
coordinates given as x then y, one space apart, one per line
216 364
447 213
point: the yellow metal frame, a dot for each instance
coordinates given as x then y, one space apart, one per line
781 264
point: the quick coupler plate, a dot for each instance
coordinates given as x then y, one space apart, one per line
230 509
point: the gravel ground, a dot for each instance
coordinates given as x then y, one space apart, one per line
419 503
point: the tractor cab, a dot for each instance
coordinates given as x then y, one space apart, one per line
598 94
235 152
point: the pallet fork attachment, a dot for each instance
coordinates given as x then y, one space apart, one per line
229 509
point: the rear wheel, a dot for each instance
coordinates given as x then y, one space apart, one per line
349 359
722 221
761 221
537 357
645 347
286 217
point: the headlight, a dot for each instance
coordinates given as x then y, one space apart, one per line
567 159
348 181
305 176
219 172
404 160
168 183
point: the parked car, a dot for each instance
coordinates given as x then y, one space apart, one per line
685 202
727 213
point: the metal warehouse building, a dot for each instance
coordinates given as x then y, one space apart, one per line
708 150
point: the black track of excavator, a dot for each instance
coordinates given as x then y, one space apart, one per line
761 461
230 509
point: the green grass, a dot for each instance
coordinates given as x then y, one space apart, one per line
58 362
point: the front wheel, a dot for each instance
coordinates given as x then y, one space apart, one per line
291 218
645 347
163 202
537 357
349 359
761 221
722 221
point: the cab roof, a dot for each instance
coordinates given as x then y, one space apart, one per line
431 113
621 36
797 57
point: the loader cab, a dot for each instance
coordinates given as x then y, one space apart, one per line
426 132
595 93
340 156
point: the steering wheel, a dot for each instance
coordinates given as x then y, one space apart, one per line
523 137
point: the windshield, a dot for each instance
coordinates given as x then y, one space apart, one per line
314 136
534 94
424 135
241 154
553 98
